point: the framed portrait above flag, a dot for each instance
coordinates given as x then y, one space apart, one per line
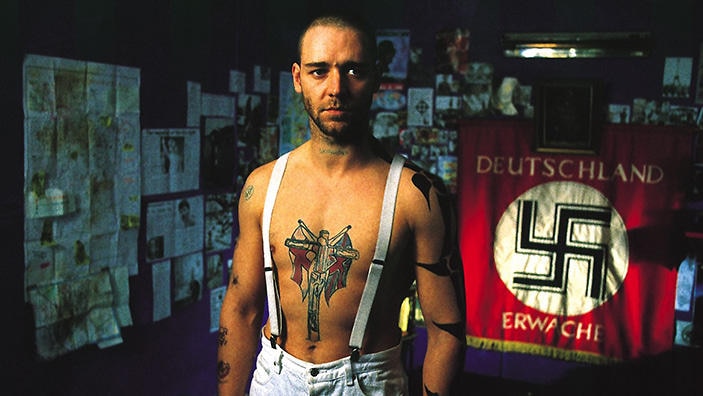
568 116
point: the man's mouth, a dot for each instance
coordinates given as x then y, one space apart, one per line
337 111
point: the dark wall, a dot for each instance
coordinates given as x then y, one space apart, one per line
174 41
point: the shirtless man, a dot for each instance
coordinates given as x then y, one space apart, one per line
323 232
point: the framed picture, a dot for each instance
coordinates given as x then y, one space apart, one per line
568 116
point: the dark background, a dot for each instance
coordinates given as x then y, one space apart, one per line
177 41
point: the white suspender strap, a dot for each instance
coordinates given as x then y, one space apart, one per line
272 296
384 237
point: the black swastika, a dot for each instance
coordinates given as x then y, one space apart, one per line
563 246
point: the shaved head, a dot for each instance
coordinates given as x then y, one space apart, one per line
344 21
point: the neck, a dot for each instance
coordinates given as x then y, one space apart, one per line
327 154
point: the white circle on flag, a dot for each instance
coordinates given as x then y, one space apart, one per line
561 248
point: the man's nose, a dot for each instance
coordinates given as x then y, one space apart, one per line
336 84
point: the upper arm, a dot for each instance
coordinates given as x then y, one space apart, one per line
437 265
247 276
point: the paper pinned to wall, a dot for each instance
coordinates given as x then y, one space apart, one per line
82 199
170 160
216 297
161 288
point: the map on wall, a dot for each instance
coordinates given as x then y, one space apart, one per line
82 199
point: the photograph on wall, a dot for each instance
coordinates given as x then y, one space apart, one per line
386 124
389 97
649 111
523 101
477 89
187 279
452 51
677 77
161 290
618 113
219 221
639 113
251 118
214 275
393 53
194 104
447 110
447 84
447 100
683 116
216 297
262 79
292 117
170 160
433 149
217 105
174 227
218 156
420 106
419 74
237 81
268 143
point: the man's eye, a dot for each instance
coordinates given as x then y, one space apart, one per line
356 72
319 72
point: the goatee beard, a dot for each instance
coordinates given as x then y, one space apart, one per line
353 132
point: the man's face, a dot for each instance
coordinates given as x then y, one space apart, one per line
337 78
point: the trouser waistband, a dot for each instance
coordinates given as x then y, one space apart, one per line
382 360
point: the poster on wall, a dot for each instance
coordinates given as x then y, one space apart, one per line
452 51
174 227
237 81
420 106
676 81
432 149
214 271
161 290
218 156
564 244
82 194
219 221
393 53
187 279
292 117
170 160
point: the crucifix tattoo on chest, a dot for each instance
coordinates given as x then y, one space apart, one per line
320 265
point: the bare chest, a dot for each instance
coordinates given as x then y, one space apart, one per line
326 220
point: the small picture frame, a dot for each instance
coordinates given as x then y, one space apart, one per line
568 116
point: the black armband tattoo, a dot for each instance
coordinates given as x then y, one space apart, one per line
455 329
223 369
429 392
438 269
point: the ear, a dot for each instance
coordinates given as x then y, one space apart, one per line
295 70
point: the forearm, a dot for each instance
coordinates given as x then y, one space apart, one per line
238 342
442 365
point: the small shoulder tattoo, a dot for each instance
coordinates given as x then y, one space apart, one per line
248 192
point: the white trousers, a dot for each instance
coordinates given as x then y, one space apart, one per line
279 373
